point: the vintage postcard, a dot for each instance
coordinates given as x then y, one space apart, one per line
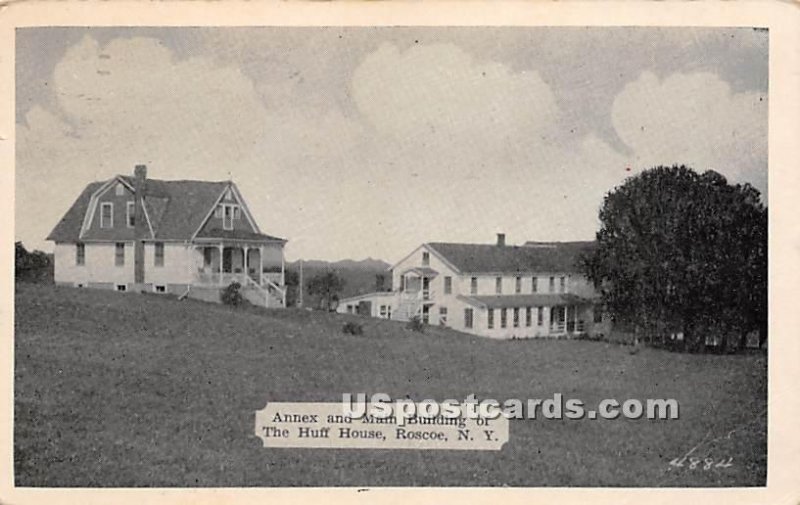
363 249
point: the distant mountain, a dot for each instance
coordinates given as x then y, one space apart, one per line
363 276
348 264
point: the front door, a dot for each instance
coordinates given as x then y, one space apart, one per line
227 260
558 317
426 314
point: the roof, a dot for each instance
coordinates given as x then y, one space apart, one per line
530 300
374 294
423 271
217 233
176 209
531 257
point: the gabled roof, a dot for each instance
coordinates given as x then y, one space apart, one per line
176 209
552 257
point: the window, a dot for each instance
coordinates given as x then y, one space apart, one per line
159 254
473 286
218 212
207 256
516 317
490 318
498 285
160 288
388 312
426 258
121 287
119 190
448 285
119 254
563 284
468 318
503 318
402 283
237 212
106 215
534 284
552 284
227 217
518 285
383 311
443 316
228 194
539 316
598 314
349 309
80 254
131 215
528 317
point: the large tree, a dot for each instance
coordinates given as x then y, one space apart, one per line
683 251
327 287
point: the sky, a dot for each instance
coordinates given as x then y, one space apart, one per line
366 142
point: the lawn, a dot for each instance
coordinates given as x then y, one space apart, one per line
115 389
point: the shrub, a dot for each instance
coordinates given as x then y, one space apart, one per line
416 324
351 328
232 295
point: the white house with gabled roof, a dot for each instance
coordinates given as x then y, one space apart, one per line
189 238
494 290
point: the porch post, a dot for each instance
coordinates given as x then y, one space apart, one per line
260 263
261 274
221 249
283 278
283 268
244 261
575 327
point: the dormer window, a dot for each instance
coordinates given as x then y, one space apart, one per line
106 215
426 258
119 190
131 215
227 217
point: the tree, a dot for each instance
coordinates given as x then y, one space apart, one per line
684 252
327 287
292 282
33 266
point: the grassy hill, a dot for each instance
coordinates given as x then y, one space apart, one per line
116 389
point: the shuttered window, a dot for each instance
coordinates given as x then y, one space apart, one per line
159 254
80 254
106 215
119 254
468 316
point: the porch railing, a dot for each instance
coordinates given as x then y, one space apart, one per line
204 278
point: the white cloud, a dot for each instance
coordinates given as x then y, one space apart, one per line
126 103
439 145
439 87
697 120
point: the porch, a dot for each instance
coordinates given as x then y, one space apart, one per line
257 266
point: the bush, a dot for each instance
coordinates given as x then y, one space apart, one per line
351 328
416 324
232 295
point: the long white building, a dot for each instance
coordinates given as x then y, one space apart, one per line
494 290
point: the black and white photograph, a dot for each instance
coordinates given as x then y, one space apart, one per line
392 256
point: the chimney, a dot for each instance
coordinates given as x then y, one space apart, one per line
140 226
501 240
